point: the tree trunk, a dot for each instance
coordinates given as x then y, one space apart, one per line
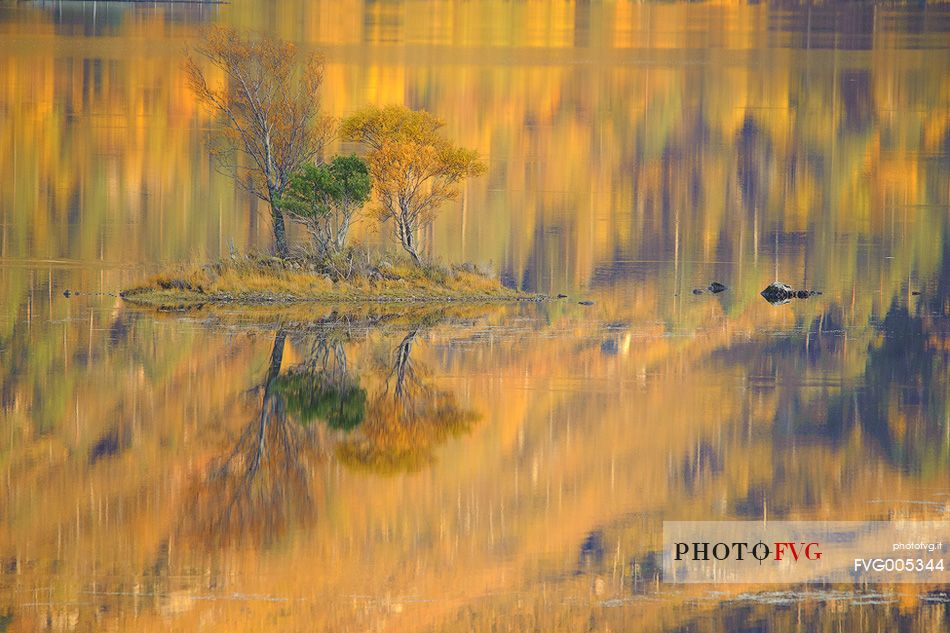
412 251
342 230
408 243
280 232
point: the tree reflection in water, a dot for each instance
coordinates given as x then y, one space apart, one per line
264 484
311 412
903 404
898 402
321 388
406 420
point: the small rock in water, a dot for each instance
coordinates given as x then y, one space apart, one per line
716 287
697 291
66 293
916 293
777 293
585 303
561 295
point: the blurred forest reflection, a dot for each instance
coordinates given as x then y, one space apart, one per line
354 470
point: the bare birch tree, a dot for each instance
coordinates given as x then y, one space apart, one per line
268 101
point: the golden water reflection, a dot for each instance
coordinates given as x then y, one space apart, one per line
189 479
460 469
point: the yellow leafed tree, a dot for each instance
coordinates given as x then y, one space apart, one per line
415 169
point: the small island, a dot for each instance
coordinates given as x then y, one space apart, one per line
254 280
271 141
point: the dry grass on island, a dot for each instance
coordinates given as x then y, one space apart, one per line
350 277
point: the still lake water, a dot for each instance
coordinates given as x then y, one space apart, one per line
505 469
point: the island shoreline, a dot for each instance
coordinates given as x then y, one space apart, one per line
267 281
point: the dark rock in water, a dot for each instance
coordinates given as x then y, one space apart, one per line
697 291
561 295
916 293
716 287
777 293
66 293
585 303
